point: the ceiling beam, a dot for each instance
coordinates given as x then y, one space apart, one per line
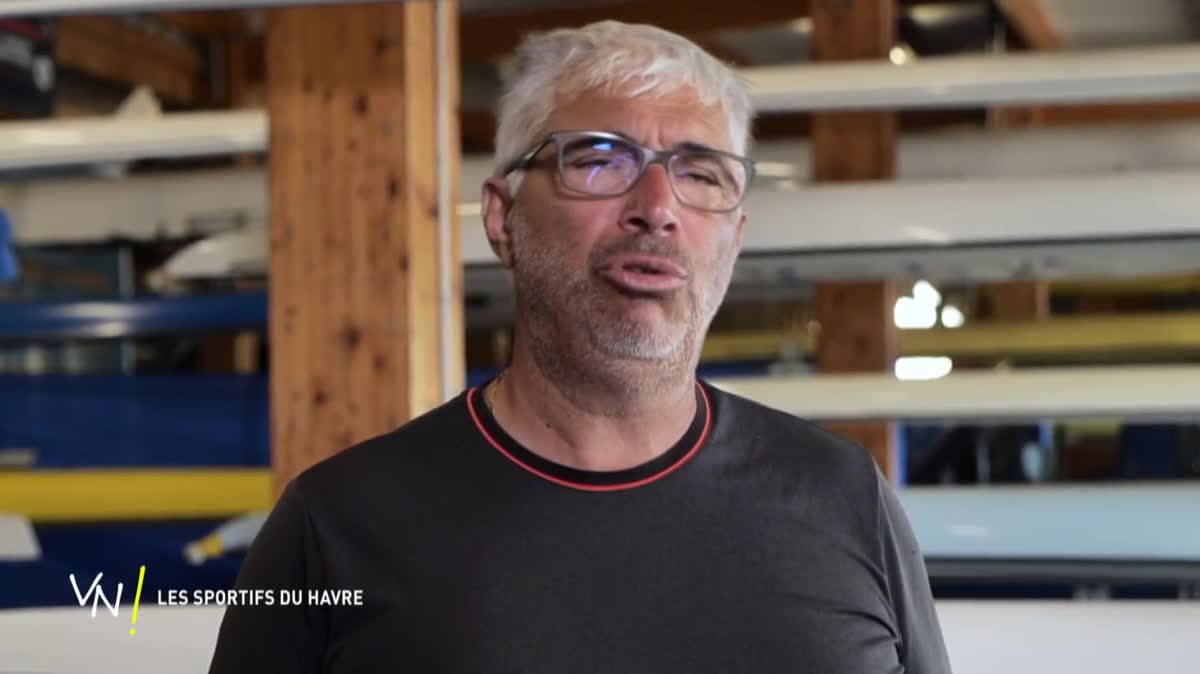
107 49
1113 113
485 37
206 24
1060 338
1161 285
1030 21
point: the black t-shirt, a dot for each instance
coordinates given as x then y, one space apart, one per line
758 543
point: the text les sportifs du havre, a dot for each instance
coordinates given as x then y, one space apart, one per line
260 597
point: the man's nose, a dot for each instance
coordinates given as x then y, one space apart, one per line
651 206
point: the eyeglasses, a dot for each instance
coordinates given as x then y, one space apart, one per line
600 164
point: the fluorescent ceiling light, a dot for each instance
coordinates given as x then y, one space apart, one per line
922 368
925 293
952 317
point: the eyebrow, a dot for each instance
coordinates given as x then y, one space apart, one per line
685 145
693 145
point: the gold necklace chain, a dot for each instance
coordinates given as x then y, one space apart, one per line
491 392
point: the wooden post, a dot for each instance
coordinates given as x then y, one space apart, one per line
858 333
355 275
1018 300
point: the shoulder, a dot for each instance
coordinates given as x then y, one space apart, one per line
750 422
795 449
393 463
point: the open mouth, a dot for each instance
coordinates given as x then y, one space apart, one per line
643 275
642 268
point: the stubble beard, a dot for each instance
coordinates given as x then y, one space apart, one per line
581 332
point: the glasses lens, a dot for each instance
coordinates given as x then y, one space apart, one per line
597 165
708 181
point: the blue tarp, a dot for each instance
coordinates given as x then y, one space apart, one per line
9 269
144 420
116 550
163 420
140 317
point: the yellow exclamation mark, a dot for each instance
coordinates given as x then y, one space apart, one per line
137 598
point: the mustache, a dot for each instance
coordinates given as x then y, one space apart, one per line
646 246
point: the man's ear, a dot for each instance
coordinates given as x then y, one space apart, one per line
496 203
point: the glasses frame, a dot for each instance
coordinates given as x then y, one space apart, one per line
648 156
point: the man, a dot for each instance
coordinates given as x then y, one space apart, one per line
596 507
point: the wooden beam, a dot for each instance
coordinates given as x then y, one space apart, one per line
245 54
456 340
104 48
853 145
1099 114
857 329
858 335
797 124
1117 113
1030 21
353 188
488 36
1018 300
1167 284
218 23
1168 335
245 72
1062 339
850 338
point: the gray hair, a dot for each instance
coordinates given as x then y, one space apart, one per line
640 59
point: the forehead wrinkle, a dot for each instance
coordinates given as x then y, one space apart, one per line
682 101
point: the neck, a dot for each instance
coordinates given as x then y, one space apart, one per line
588 414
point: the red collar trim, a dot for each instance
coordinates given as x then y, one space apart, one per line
695 448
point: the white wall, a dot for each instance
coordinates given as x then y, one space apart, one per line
983 638
1075 637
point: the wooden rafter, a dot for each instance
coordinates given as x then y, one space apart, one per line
1029 19
857 333
205 24
485 37
1165 111
107 49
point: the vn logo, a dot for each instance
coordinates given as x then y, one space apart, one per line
96 594
114 608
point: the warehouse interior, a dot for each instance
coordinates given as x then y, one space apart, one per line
973 247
